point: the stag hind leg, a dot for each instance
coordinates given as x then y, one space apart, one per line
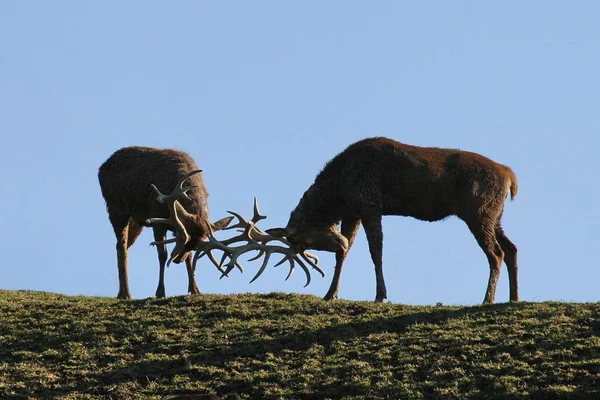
160 234
349 229
120 224
510 258
483 229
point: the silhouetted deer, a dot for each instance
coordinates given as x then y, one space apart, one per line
127 179
379 176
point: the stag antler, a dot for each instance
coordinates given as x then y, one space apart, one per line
256 240
172 201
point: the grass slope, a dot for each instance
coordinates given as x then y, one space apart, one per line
287 346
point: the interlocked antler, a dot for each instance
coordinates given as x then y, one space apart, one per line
256 240
172 200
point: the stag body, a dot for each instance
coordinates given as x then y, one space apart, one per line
380 176
126 179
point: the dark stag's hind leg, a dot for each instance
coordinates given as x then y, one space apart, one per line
120 226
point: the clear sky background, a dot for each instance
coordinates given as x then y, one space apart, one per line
262 94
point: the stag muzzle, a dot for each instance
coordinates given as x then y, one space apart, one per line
325 240
332 242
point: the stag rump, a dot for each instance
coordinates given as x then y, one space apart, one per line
130 181
380 176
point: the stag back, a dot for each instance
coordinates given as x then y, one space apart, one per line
126 180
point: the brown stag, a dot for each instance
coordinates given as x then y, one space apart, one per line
380 176
131 181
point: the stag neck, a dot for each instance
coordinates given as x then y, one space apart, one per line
318 208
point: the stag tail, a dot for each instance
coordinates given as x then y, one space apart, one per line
514 186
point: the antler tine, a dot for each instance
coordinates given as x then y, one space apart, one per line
178 191
182 237
242 222
257 216
304 268
186 176
225 273
268 251
229 265
211 257
166 241
290 259
313 257
205 248
309 258
259 255
262 267
312 260
235 252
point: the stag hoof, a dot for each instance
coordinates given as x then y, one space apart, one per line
193 289
330 296
124 296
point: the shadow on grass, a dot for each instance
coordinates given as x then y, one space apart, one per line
227 369
258 352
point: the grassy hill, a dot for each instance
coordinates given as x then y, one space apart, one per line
287 346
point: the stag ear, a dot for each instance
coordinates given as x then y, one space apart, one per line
278 232
221 224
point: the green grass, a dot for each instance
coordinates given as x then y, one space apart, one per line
287 346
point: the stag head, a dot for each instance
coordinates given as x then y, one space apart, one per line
189 228
326 239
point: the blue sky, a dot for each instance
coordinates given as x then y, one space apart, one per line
262 94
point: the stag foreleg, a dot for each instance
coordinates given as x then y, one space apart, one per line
160 235
349 229
192 286
374 232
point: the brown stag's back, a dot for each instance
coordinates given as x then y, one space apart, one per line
126 176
